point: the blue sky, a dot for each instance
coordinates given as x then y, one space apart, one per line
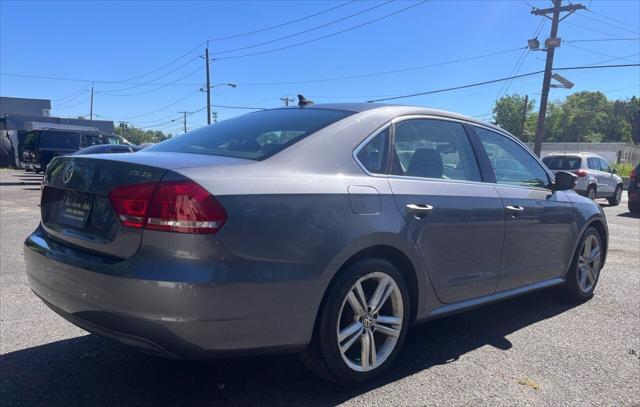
117 41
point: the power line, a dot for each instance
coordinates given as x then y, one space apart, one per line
500 80
368 75
73 105
602 40
163 66
158 110
598 52
88 81
259 44
592 29
157 77
609 24
614 19
157 88
324 36
71 96
282 24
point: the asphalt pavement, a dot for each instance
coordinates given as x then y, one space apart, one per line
539 349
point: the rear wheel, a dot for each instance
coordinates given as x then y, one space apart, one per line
585 268
362 324
617 196
591 192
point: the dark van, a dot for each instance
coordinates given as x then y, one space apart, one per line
41 146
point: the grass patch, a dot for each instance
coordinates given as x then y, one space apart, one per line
624 169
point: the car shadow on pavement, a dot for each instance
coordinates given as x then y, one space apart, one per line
89 370
630 215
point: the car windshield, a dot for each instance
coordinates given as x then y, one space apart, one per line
562 163
59 140
255 135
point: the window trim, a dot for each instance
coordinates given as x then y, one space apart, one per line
550 176
391 126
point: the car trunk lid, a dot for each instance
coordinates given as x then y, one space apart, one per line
75 205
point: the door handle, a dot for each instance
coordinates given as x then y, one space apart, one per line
514 210
419 210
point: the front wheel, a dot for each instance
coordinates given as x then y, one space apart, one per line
362 324
585 268
617 196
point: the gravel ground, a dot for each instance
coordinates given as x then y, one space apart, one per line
534 350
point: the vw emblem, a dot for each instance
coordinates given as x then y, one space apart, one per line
67 172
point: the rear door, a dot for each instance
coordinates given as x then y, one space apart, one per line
539 223
607 177
456 220
595 169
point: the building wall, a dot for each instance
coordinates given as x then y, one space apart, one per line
25 107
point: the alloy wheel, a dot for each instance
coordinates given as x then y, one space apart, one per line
370 322
589 263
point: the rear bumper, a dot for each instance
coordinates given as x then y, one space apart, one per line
188 319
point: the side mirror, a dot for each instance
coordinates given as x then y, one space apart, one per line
564 181
614 171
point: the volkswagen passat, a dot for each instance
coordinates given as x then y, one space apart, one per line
327 230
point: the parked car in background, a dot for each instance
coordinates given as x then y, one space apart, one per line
326 230
596 178
41 146
634 190
108 149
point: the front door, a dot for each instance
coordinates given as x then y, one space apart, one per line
456 220
539 223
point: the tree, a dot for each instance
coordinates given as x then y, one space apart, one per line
581 117
139 136
509 112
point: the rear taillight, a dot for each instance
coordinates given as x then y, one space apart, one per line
581 173
180 206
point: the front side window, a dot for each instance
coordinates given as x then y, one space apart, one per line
373 156
511 163
433 149
253 136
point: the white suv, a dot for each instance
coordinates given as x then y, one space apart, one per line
596 179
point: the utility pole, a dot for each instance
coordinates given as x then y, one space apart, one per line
123 127
524 116
551 43
286 100
206 58
91 108
184 120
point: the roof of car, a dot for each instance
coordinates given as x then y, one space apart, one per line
397 110
583 154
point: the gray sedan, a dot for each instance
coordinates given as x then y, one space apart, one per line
327 230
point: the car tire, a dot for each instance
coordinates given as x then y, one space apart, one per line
591 192
584 271
617 196
336 350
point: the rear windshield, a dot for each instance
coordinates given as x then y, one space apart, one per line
255 135
57 139
562 163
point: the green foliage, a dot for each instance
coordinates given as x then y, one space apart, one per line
582 116
509 112
139 136
624 169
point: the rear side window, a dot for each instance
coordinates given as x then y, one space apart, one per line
511 163
59 140
433 149
373 156
562 163
255 135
